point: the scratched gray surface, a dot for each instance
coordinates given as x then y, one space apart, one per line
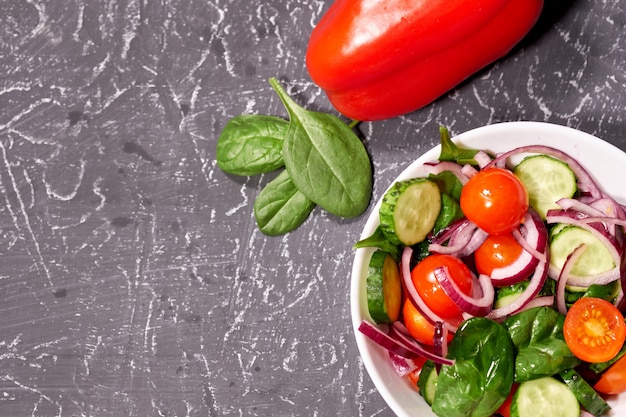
133 281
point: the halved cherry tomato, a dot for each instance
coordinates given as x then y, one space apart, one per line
418 326
594 330
495 200
613 380
497 251
431 291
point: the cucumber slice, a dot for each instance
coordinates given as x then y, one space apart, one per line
588 398
547 180
384 288
608 292
506 295
595 260
544 397
427 384
409 211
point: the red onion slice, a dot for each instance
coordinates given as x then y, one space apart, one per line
564 276
586 182
402 365
476 306
557 216
458 240
400 332
536 283
453 167
543 301
534 242
482 158
418 302
468 170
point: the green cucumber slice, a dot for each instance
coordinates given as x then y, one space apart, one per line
409 211
547 180
384 288
544 397
427 384
586 395
595 260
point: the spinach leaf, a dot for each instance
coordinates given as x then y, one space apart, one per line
325 159
481 377
451 152
448 184
280 207
251 144
378 240
449 213
537 335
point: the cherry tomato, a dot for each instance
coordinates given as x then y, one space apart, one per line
613 380
495 200
594 330
418 326
431 291
497 251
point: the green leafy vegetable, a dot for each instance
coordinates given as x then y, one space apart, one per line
481 378
326 164
448 184
451 152
325 159
450 212
537 335
380 241
280 207
251 144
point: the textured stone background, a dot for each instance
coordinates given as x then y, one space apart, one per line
133 280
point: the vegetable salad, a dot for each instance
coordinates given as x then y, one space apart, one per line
497 289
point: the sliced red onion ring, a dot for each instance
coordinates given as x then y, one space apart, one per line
400 332
478 238
453 167
458 241
381 338
476 306
536 283
440 339
564 276
468 170
402 365
418 302
534 241
482 158
543 301
558 216
580 206
451 230
586 182
535 238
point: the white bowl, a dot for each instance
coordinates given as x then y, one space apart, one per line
600 158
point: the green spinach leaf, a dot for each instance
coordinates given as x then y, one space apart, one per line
481 377
451 152
537 335
449 213
251 144
280 207
378 240
448 184
325 159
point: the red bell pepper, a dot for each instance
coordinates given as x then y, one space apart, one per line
377 59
